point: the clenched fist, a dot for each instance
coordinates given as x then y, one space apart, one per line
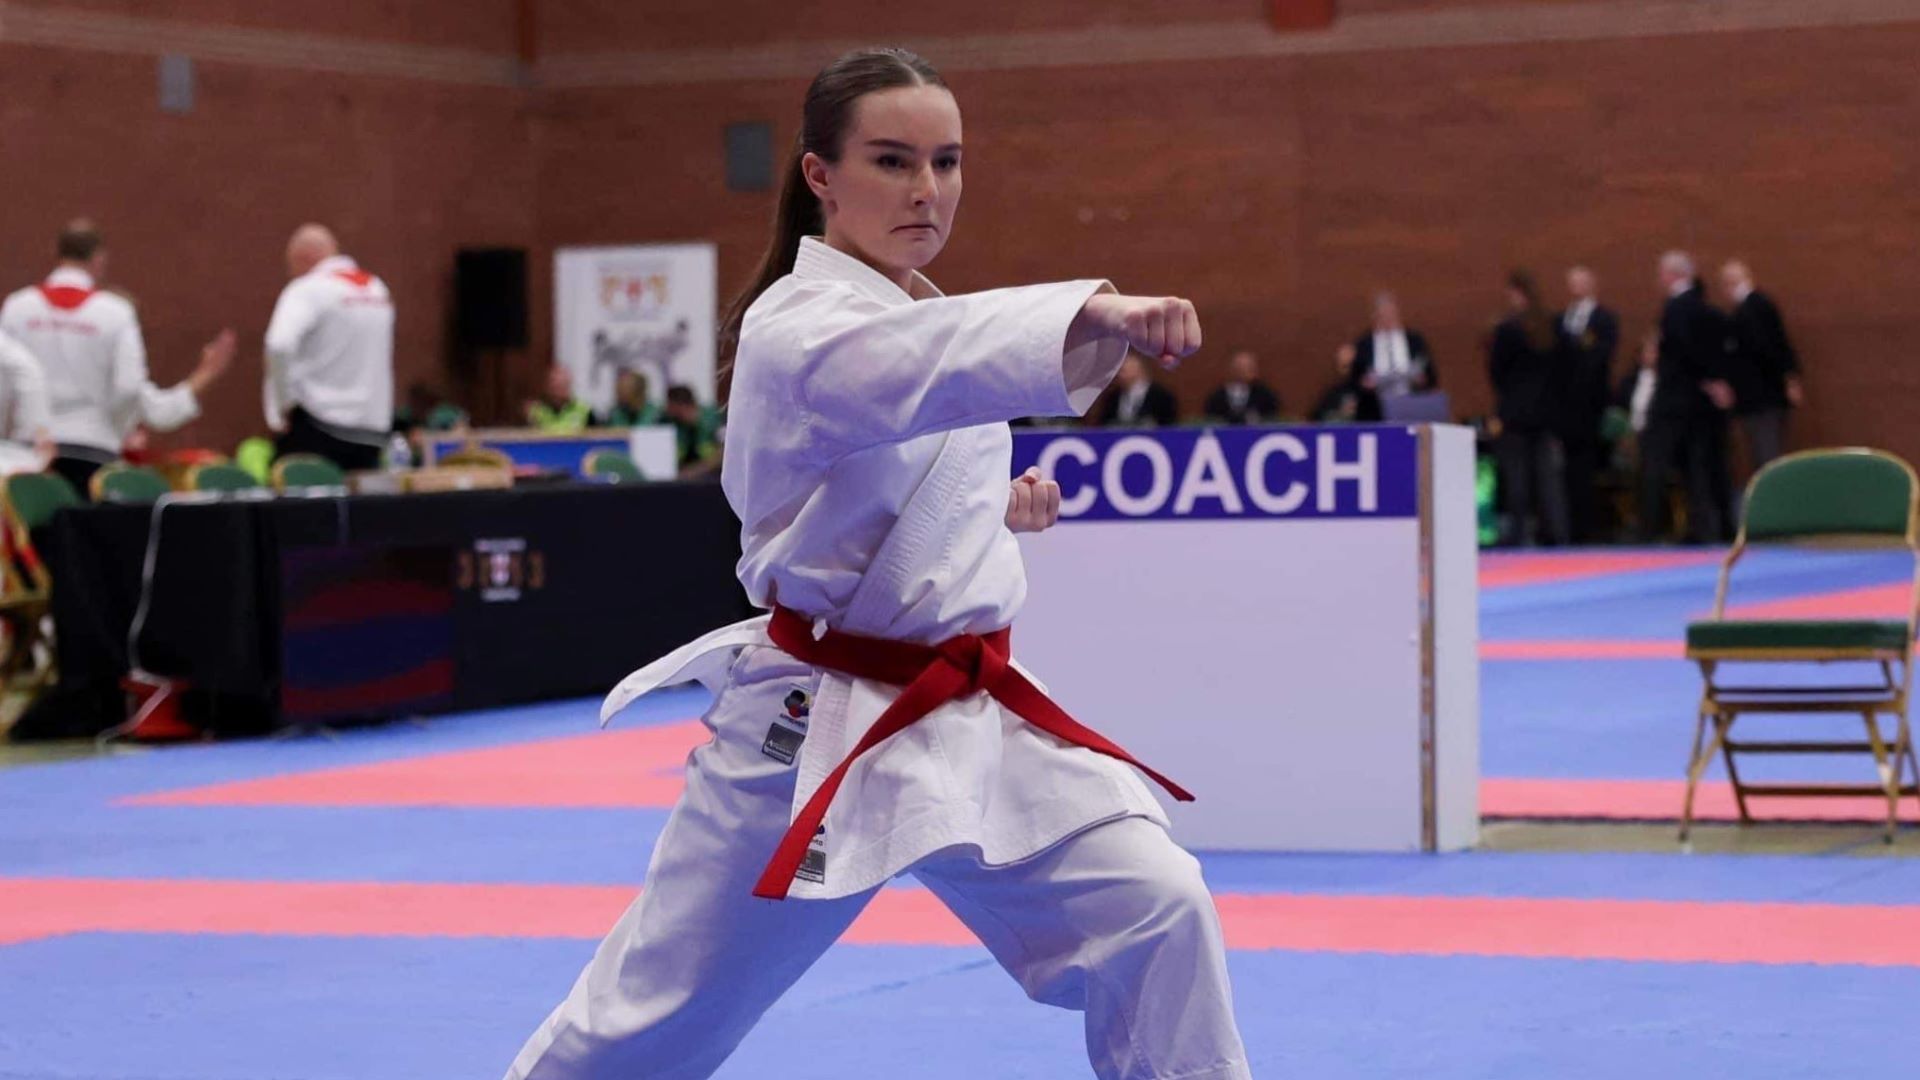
1164 327
1033 504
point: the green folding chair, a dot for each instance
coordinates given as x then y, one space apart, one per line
26 588
611 466
1851 498
124 483
221 477
297 471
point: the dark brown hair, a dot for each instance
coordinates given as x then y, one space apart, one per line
1536 322
825 117
79 240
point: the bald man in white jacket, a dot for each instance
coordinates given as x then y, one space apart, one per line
329 385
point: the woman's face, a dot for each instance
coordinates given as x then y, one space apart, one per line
890 199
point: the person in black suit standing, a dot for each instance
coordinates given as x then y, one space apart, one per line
1528 374
1243 398
1686 421
1589 337
1390 361
1765 368
1136 400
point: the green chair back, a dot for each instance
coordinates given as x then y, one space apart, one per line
129 484
612 466
307 471
36 496
222 477
1820 493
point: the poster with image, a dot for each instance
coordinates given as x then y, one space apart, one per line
649 308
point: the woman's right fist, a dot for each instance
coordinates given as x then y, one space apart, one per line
1164 327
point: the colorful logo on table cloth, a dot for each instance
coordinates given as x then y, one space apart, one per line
501 570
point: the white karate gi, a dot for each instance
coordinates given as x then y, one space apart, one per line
89 346
868 458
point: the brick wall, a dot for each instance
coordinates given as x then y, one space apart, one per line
1281 192
197 208
1277 190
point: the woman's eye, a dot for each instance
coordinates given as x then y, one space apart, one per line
946 164
891 161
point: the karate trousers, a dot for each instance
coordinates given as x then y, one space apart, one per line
1113 921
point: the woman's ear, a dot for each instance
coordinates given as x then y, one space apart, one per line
814 168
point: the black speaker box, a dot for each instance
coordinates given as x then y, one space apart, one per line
490 298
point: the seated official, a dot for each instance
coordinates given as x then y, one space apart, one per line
427 410
630 405
1339 403
698 430
1243 398
558 412
1135 400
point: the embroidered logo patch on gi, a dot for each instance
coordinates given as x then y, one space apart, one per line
814 867
789 728
783 743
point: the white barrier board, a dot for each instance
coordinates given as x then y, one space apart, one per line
1284 620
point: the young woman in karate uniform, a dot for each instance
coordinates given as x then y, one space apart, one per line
874 724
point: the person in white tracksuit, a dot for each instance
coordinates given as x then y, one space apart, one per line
26 440
873 724
90 349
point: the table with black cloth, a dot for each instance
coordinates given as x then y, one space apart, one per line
401 604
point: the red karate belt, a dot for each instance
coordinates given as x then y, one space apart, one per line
933 675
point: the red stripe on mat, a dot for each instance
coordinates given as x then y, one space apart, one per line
1660 931
631 768
1503 571
1659 800
1588 650
1582 650
639 769
1871 602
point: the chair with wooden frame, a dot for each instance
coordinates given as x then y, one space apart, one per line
458 478
473 455
31 500
305 472
1853 498
221 476
124 483
610 466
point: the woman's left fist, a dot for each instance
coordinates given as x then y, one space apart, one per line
1033 504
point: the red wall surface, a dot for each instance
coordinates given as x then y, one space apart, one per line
1277 182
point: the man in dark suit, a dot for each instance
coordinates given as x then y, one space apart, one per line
1686 421
1390 361
1589 337
1136 400
1243 398
1765 370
